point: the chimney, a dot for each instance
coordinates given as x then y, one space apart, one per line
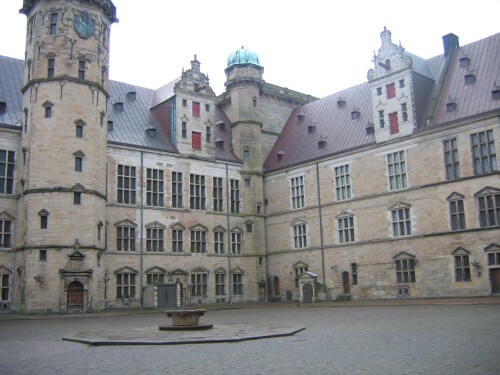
450 42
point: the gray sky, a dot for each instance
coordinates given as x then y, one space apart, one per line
316 47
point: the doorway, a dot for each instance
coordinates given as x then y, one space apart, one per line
276 286
346 283
307 291
495 280
75 296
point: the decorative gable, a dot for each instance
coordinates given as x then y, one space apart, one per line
403 255
126 269
126 223
460 251
155 225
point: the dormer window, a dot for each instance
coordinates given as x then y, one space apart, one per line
118 106
470 78
3 106
341 103
370 129
281 154
301 116
355 114
322 143
151 132
110 125
132 96
495 94
219 143
311 128
451 106
464 61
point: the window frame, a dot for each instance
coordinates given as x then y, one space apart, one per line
299 230
237 283
177 189
297 192
125 238
177 240
342 178
483 152
7 164
125 285
5 233
199 284
197 191
451 159
155 187
401 221
397 171
126 180
218 194
155 240
235 195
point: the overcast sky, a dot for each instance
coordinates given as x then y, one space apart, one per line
316 47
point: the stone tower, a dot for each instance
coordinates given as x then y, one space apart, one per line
62 206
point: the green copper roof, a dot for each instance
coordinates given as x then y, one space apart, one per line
243 56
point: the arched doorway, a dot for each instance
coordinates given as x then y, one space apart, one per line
276 286
346 282
75 296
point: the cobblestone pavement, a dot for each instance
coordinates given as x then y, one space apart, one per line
349 339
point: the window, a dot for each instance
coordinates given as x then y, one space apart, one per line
208 134
346 229
184 129
207 107
220 284
379 91
246 154
249 227
381 120
44 219
396 170
42 256
4 286
6 172
197 192
219 242
451 106
464 62
217 193
341 103
77 197
451 162
247 182
5 233
354 273
493 252
404 112
354 115
483 152
125 285
126 184
177 240
401 222
236 242
457 212
235 196
299 235
125 238
81 70
299 269
462 268
51 66
495 94
78 163
155 278
237 284
405 271
198 241
184 103
53 24
79 131
489 207
177 189
199 284
401 83
154 240
196 140
196 109
48 111
154 187
391 90
297 192
254 103
469 79
342 182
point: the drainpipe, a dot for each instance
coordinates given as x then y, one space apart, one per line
321 230
228 207
142 230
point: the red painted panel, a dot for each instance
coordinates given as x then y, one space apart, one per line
196 109
196 140
391 91
393 121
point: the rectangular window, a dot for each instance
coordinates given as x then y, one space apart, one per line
154 240
77 197
198 284
78 163
396 170
196 109
44 222
48 112
5 233
391 90
155 278
404 112
457 214
184 129
79 131
343 182
235 196
196 140
346 229
297 192
219 242
247 183
177 240
126 184
177 190
493 259
198 241
53 24
4 286
299 236
237 284
125 239
489 210
401 222
401 83
462 268
236 242
81 70
207 107
51 67
154 187
220 284
379 91
405 271
208 134
184 103
381 120
217 192
197 192
483 152
451 162
354 273
125 285
6 172
42 256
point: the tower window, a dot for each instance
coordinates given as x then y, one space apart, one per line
379 91
48 112
51 65
207 107
254 102
404 112
208 134
77 197
391 91
381 119
53 23
184 129
81 70
184 103
78 163
401 83
196 109
79 131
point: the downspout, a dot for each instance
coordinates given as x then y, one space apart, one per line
142 230
321 230
228 207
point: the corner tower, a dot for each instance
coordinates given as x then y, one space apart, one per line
62 207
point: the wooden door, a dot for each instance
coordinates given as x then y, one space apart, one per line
346 282
75 296
307 291
495 280
276 286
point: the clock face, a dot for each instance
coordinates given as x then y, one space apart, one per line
84 24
